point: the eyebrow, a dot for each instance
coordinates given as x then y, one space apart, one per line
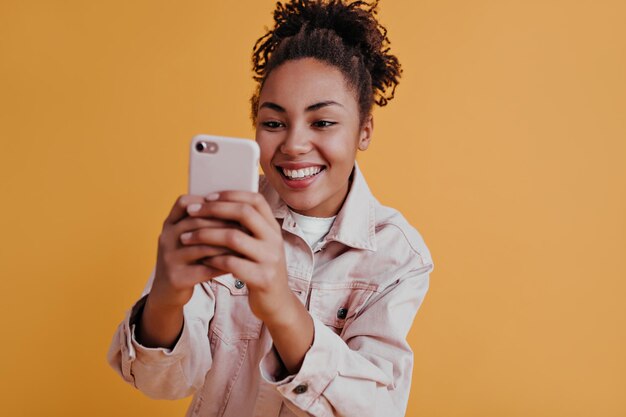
312 107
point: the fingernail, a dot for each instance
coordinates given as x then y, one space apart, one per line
192 208
185 236
212 197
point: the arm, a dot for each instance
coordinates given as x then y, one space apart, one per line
256 256
368 372
292 333
172 317
160 372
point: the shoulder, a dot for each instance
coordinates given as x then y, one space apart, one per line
397 238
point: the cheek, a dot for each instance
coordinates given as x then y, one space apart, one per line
266 148
340 152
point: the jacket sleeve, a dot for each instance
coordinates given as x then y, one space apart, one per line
162 373
367 371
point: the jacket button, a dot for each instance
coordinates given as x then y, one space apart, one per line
239 284
300 389
342 313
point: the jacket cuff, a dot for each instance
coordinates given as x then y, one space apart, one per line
159 355
319 368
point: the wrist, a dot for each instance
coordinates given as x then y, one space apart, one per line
291 315
159 308
159 326
163 298
292 333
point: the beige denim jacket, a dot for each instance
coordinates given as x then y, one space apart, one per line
363 287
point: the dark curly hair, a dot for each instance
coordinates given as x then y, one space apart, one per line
344 34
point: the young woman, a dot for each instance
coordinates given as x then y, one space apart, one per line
295 300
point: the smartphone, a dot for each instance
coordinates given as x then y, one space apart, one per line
218 163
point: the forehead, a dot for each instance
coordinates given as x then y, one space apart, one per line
302 82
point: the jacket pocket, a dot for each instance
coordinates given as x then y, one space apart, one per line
233 319
337 304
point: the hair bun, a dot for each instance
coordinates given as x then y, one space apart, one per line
354 22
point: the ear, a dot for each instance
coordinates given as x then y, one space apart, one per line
365 136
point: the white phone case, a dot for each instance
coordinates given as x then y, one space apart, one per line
218 163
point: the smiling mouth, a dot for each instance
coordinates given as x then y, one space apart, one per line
300 174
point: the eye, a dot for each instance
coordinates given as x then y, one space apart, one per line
324 123
272 124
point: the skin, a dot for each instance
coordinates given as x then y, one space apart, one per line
307 115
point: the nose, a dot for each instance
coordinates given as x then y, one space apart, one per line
296 142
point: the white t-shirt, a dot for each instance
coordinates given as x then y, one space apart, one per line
314 228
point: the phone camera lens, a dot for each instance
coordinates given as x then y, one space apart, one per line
200 146
206 147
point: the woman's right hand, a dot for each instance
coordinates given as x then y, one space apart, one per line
178 269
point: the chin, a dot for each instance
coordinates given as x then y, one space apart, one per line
298 204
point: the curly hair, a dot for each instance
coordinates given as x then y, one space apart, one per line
344 34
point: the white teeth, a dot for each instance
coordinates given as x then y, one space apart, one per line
301 173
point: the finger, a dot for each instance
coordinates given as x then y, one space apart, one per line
179 209
243 213
232 239
170 237
254 199
207 260
241 268
194 223
196 274
196 253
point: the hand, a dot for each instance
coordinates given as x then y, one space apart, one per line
256 257
178 270
180 267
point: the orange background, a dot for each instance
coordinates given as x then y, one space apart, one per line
505 147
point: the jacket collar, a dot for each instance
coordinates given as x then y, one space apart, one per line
355 225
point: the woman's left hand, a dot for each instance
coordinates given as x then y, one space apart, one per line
257 258
261 262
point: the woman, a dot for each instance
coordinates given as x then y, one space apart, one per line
328 280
